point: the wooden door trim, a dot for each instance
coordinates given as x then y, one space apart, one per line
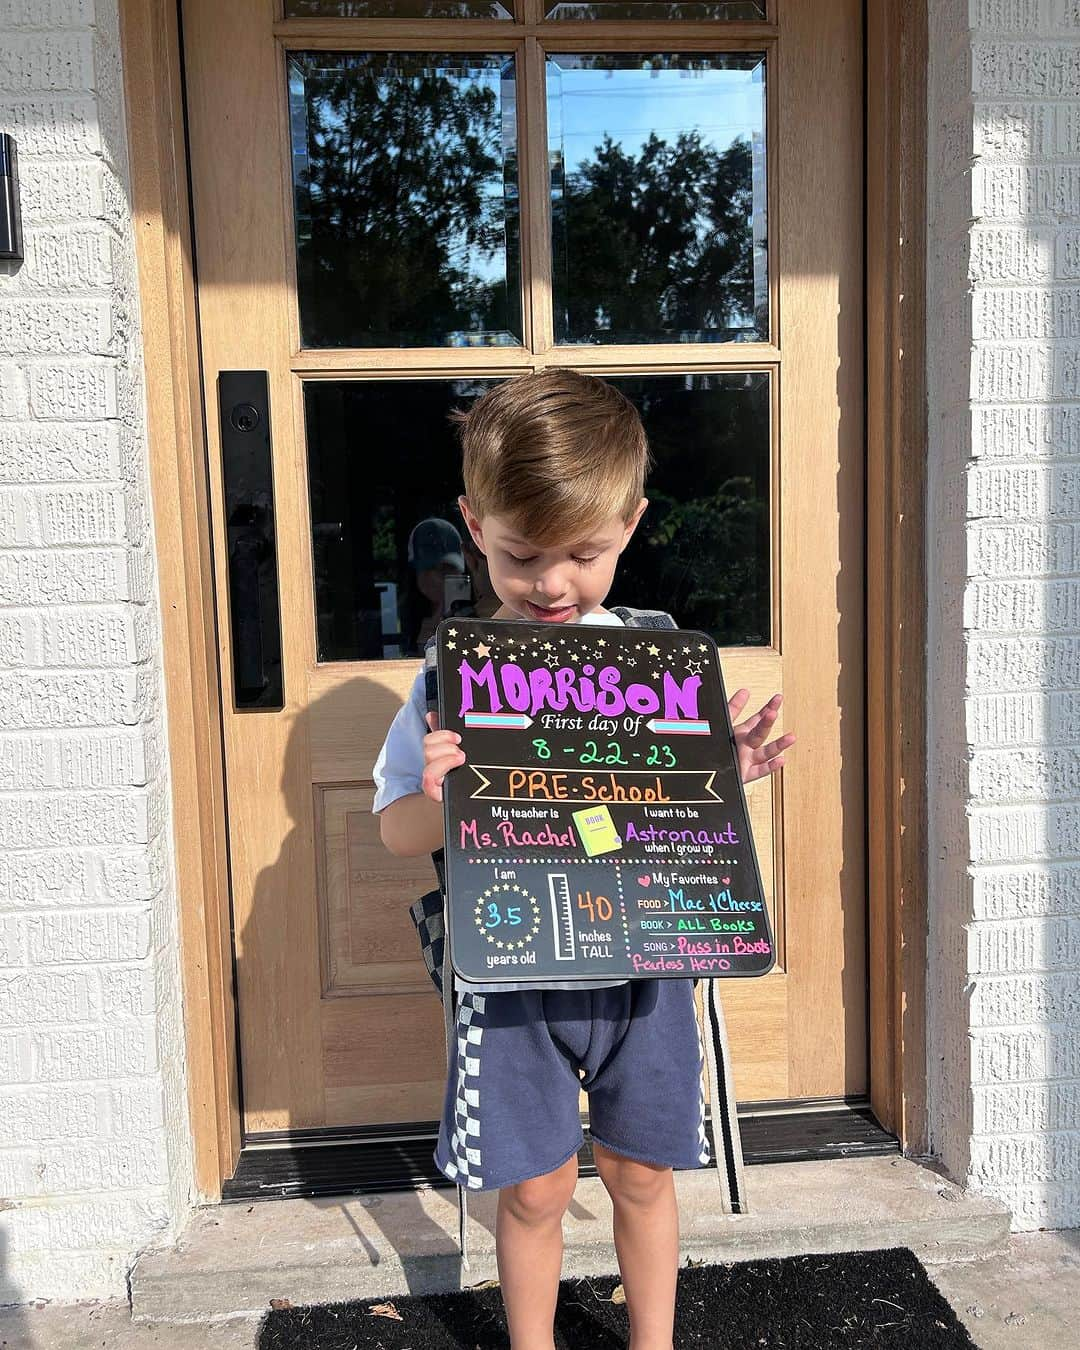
896 46
896 61
160 211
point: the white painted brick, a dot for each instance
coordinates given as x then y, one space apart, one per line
1026 1055
59 453
128 875
72 191
68 260
1004 16
46 14
76 1054
82 516
58 698
1017 834
46 61
1042 1157
44 1114
1025 999
32 997
88 936
1006 253
20 639
16 1059
1010 192
121 1165
1038 1205
127 992
1011 663
62 127
1024 945
18 520
136 1107
24 762
1023 606
87 1223
73 577
12 941
97 761
1027 891
1026 69
1021 549
1013 313
14 400
55 327
1026 775
54 878
1026 1108
75 393
1013 131
98 818
101 636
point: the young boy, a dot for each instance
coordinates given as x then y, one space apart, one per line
554 469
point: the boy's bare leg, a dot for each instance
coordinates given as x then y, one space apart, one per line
529 1248
647 1243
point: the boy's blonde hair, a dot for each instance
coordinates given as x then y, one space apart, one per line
555 453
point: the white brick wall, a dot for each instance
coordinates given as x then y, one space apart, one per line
94 1137
1004 621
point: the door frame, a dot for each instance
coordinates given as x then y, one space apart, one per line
896 51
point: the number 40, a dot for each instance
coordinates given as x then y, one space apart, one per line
599 906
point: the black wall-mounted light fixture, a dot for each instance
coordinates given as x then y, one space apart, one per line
11 254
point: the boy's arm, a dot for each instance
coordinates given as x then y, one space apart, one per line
412 825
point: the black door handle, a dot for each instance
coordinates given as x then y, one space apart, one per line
247 472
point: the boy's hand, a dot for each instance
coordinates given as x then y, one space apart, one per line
755 758
441 754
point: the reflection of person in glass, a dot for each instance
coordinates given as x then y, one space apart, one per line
439 583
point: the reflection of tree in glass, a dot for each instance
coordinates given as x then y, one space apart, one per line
702 550
400 198
656 245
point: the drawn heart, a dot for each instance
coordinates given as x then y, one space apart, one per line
726 881
643 881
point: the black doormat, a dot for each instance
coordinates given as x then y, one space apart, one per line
878 1299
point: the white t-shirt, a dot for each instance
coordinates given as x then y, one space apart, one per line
398 773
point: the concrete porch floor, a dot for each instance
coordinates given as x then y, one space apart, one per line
215 1282
1023 1296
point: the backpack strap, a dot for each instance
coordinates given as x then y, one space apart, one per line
716 1067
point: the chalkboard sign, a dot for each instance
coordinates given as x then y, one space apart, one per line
598 827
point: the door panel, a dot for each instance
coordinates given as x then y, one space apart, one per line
749 379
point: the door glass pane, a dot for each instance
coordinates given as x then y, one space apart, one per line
392 555
649 9
406 197
399 9
658 198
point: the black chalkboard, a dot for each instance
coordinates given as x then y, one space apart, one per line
598 827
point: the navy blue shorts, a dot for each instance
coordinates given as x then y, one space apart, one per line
511 1108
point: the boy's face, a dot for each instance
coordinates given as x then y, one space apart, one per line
556 584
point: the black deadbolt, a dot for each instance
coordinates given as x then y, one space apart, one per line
244 417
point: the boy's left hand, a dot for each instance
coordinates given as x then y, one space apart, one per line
757 759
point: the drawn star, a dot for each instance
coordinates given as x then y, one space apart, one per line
547 646
515 888
654 675
602 642
509 642
551 660
654 650
562 642
490 637
498 943
686 651
701 647
452 632
482 649
451 645
694 667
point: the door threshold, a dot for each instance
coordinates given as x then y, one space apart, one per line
357 1161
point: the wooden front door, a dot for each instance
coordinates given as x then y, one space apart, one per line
396 204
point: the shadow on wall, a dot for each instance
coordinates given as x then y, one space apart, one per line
392 1044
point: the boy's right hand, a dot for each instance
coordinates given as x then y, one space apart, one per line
442 753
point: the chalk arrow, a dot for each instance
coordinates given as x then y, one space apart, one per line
678 726
497 720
